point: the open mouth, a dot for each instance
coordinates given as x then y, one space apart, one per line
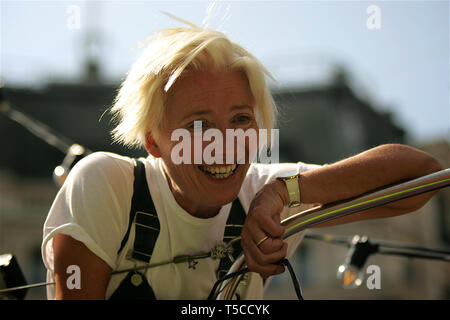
219 172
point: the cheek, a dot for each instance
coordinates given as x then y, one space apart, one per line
246 148
187 151
180 153
183 175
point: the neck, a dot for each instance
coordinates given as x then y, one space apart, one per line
196 211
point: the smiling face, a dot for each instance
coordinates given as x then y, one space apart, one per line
220 101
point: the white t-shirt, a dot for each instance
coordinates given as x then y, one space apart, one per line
93 207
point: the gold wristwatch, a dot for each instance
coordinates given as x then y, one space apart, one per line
291 181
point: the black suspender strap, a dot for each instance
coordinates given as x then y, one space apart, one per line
233 229
144 216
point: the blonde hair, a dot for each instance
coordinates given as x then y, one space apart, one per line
139 105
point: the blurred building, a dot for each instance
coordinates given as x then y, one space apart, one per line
330 122
318 125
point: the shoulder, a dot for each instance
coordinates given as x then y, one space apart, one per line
103 172
102 166
106 160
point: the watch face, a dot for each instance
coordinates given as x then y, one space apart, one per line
288 174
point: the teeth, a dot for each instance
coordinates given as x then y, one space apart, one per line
222 175
221 172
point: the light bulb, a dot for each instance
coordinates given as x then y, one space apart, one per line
59 175
350 276
350 272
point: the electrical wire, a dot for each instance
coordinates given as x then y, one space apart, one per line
295 282
298 291
37 128
410 251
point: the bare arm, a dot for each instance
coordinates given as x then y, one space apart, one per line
94 273
370 170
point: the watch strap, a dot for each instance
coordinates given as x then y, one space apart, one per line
291 182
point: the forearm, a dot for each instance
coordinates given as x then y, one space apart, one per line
370 170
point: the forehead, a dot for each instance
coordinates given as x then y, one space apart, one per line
209 90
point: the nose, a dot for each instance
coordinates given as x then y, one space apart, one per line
230 146
216 148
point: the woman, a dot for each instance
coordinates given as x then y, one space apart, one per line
185 77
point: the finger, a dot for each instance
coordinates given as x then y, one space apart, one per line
271 257
264 270
271 245
264 243
270 224
263 225
262 240
261 257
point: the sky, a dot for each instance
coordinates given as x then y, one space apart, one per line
395 52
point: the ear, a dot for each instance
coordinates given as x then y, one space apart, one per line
151 146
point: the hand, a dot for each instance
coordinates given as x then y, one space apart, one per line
263 219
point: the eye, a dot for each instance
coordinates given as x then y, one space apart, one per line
242 119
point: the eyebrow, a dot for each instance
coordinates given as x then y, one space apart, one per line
203 112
